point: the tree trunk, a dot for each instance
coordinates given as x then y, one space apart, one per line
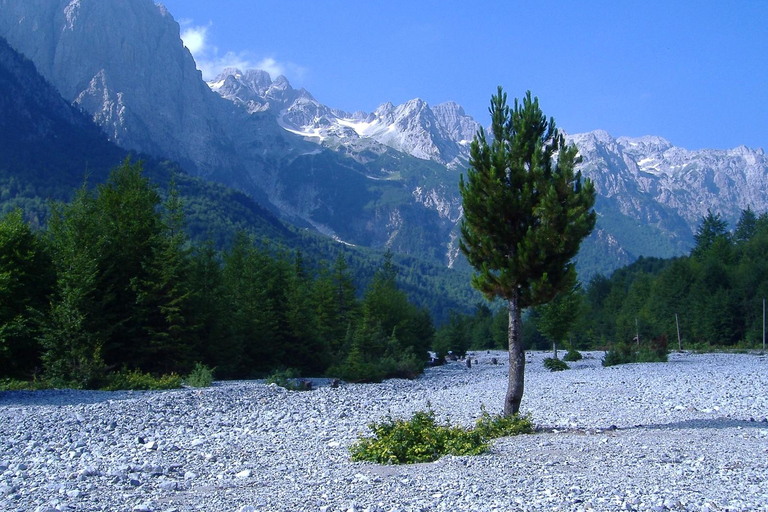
554 349
516 360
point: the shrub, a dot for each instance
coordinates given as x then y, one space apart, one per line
136 380
23 385
200 377
624 353
497 425
572 355
555 365
422 439
288 379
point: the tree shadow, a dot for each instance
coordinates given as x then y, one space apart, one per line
62 397
713 423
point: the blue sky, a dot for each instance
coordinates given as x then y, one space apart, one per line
694 72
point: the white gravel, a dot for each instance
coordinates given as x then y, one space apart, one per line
691 434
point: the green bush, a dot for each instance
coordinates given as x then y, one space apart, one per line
422 439
625 353
572 355
136 380
23 385
288 379
496 425
555 365
200 377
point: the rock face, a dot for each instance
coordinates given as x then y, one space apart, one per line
124 63
44 136
32 107
651 180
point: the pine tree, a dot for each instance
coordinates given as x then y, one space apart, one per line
73 338
165 295
25 281
131 231
746 228
526 212
557 318
712 231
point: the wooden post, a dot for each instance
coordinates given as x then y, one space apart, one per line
637 329
679 341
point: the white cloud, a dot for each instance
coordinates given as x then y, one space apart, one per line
210 61
195 39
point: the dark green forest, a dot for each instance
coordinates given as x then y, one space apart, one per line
114 283
715 294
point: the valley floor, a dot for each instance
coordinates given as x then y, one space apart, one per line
690 434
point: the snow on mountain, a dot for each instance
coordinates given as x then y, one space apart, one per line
441 133
645 173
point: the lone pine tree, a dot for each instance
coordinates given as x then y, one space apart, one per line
526 212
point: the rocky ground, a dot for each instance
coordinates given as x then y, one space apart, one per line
691 434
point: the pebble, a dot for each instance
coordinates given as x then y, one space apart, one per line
618 438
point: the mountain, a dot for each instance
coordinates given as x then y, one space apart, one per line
653 195
49 148
441 133
121 62
387 178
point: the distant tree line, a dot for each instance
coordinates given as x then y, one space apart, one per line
714 295
114 283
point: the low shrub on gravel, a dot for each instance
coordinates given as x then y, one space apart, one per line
572 355
422 439
555 365
624 353
493 426
200 377
136 380
23 385
288 379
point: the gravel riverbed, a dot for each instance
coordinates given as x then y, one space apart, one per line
690 434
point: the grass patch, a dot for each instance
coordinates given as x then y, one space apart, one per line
23 385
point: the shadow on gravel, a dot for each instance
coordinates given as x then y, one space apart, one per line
715 423
61 397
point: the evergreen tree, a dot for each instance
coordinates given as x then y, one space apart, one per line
165 296
556 319
746 227
25 282
209 306
526 212
712 229
335 306
305 350
131 232
73 338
